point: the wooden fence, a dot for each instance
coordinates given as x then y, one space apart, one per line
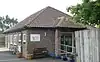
88 45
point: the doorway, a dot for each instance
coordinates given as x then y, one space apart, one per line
67 43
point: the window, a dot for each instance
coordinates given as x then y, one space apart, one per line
19 49
24 37
67 43
19 37
11 39
62 47
15 39
5 38
69 49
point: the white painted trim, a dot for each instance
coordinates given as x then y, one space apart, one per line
19 40
19 37
24 38
72 33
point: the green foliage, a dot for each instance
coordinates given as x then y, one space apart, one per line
87 12
7 22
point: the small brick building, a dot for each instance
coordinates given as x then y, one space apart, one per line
48 28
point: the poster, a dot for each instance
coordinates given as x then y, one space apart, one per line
34 37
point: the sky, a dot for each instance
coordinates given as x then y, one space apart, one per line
21 9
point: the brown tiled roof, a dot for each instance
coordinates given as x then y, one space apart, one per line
68 22
47 17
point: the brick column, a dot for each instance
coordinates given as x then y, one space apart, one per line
56 42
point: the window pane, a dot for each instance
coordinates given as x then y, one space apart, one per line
69 49
62 47
62 51
68 40
24 37
74 50
62 39
19 36
62 42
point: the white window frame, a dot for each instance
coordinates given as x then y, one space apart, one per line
19 48
15 39
19 37
24 37
11 40
73 47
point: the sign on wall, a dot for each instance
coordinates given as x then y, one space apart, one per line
34 37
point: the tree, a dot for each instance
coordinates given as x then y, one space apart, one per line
88 12
7 22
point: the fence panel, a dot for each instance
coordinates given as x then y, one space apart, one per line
87 45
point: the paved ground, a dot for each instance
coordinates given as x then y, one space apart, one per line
3 49
5 56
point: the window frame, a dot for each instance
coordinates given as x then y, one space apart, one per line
65 51
15 39
19 37
10 38
24 37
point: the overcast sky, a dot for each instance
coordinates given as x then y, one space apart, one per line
20 9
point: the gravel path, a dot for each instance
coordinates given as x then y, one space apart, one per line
6 56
